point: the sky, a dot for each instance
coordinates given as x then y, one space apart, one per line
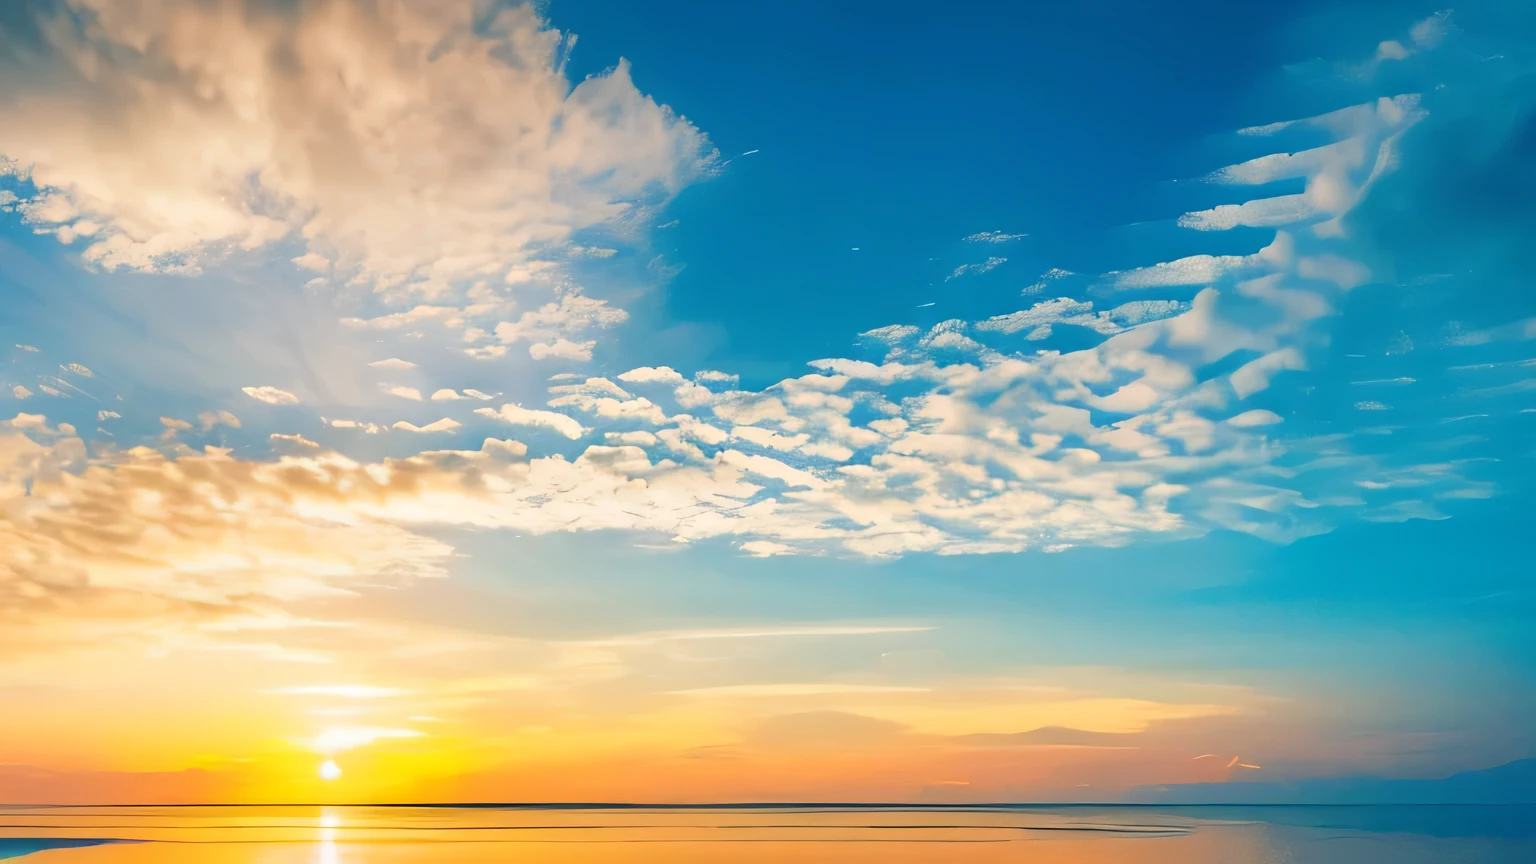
474 401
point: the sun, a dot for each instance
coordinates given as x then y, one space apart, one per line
329 770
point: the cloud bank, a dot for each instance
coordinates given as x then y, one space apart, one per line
397 143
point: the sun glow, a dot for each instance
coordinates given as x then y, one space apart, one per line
329 770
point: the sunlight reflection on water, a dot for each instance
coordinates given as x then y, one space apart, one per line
978 835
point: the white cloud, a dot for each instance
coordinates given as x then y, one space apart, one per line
1261 213
1256 417
370 428
946 446
312 261
446 395
517 415
271 395
994 237
549 326
393 363
562 349
1254 375
297 440
339 125
21 392
410 393
1043 316
977 269
447 424
652 375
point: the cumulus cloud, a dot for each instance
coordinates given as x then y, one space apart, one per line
549 327
517 415
446 424
652 375
162 136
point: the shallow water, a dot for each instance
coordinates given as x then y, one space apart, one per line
596 835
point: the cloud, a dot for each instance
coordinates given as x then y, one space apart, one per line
337 125
549 326
944 444
755 691
206 420
92 544
994 237
270 395
21 392
977 269
410 393
652 375
1040 319
447 424
343 691
562 349
298 440
520 416
1256 417
393 363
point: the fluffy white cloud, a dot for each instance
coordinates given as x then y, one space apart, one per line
517 415
446 424
652 375
402 142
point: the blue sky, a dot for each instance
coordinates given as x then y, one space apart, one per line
1145 354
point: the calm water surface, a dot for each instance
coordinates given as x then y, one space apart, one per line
805 835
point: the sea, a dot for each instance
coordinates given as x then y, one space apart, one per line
801 834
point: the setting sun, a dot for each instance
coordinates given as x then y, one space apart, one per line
329 770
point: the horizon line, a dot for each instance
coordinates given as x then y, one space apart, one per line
763 805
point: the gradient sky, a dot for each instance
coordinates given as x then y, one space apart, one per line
802 401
